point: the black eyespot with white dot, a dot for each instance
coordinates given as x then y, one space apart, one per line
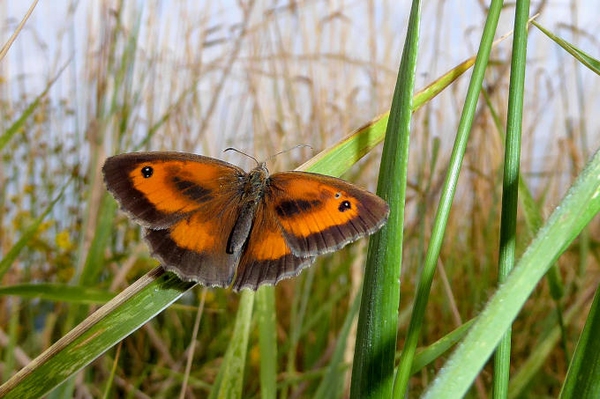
147 171
337 195
344 206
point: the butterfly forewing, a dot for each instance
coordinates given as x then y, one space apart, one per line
158 189
320 214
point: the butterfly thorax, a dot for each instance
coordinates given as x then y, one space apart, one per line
253 191
256 183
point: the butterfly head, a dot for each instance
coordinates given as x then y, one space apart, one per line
257 178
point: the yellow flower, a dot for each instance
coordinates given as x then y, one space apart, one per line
63 240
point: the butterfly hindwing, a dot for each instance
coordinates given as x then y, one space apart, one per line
194 248
267 257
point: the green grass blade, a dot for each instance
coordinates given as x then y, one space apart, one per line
440 347
583 377
99 332
373 367
58 293
523 379
230 379
579 206
267 336
510 184
581 56
331 385
104 229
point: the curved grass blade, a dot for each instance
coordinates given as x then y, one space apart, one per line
109 325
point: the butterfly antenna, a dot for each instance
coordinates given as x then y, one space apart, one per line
288 150
242 153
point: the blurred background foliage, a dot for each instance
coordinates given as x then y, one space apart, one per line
84 81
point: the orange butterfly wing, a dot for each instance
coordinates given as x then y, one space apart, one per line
303 215
188 205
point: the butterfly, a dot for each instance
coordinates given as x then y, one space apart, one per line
209 221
